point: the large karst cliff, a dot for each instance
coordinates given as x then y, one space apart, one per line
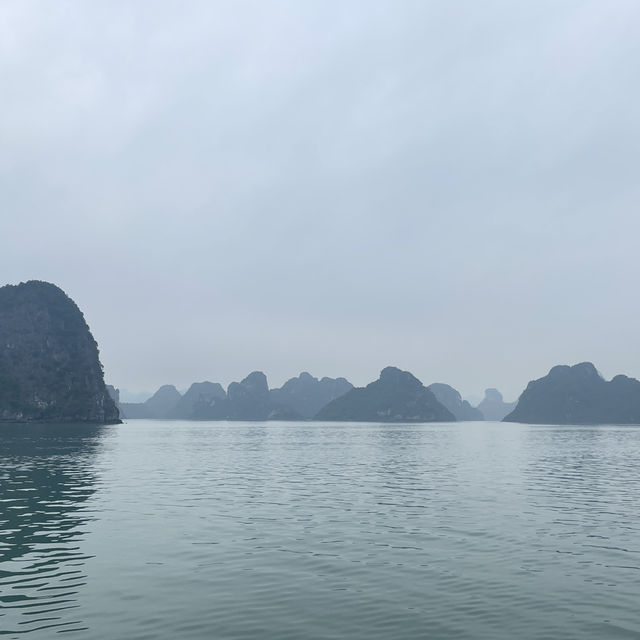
49 364
578 394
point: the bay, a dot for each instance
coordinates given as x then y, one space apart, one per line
161 529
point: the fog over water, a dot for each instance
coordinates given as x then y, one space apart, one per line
448 187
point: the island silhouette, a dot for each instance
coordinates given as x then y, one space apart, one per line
50 372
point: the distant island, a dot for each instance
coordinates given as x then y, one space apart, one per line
568 395
578 395
307 395
493 407
452 400
49 365
50 372
397 396
250 399
158 405
300 398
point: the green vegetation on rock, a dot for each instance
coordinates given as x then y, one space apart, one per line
49 362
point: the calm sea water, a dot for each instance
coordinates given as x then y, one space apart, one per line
184 530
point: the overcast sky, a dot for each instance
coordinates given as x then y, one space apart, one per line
449 187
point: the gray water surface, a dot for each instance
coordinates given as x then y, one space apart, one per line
190 530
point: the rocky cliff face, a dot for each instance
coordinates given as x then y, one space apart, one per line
163 401
248 399
307 395
199 397
114 393
452 400
49 365
493 407
397 396
578 395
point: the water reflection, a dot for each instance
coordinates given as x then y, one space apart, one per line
46 478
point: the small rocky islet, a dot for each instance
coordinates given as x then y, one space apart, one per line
50 371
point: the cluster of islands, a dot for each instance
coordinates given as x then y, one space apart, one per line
50 372
397 396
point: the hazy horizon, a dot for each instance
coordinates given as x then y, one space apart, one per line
447 187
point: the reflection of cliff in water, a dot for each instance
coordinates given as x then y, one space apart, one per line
46 477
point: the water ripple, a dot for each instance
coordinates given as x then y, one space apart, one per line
234 530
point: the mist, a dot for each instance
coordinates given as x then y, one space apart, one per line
450 188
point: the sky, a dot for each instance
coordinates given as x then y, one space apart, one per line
450 187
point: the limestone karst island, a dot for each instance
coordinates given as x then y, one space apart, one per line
50 372
49 365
